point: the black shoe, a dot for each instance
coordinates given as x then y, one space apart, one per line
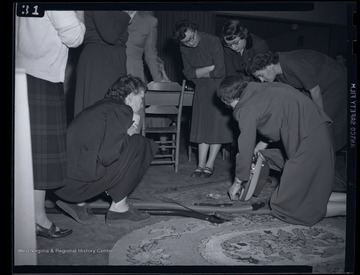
208 172
82 214
198 172
132 214
52 233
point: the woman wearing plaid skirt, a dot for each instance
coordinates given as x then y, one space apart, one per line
42 50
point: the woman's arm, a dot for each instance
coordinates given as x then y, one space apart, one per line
204 71
217 54
69 27
118 121
246 143
316 96
150 50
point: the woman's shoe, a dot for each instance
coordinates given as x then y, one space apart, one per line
132 214
208 172
198 172
82 214
52 233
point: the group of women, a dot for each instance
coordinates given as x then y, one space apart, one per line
305 111
307 125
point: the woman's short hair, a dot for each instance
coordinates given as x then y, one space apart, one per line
233 29
124 86
261 60
231 87
181 27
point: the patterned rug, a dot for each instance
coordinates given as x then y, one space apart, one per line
250 239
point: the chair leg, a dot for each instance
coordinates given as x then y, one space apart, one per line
189 152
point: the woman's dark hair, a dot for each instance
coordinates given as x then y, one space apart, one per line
261 60
181 27
231 88
233 29
124 86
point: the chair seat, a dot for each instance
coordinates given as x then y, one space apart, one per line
170 130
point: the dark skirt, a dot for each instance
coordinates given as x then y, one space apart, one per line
48 132
307 181
212 122
121 177
98 67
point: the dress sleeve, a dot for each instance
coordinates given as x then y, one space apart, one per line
246 143
115 139
111 25
189 71
230 69
70 29
151 52
304 72
217 53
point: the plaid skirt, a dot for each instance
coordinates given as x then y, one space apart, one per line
48 132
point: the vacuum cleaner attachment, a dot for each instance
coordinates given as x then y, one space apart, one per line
258 177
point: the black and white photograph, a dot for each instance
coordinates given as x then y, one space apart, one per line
184 137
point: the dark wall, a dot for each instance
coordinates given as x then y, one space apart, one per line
291 35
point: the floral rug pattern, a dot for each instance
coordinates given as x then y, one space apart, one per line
250 239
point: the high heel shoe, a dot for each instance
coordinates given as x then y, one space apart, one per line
208 172
52 233
198 172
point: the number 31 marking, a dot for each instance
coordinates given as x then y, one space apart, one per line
29 11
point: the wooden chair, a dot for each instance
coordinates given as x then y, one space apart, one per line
165 99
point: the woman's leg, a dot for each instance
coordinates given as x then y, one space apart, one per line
203 152
214 150
306 183
40 214
120 206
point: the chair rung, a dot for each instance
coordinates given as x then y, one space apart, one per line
160 130
162 143
163 162
162 156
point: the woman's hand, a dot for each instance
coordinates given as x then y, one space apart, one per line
234 189
132 130
135 126
136 119
260 146
204 71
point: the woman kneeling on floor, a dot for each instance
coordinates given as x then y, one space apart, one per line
106 155
279 112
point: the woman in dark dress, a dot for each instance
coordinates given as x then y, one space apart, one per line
103 58
279 112
106 155
320 75
203 60
240 47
